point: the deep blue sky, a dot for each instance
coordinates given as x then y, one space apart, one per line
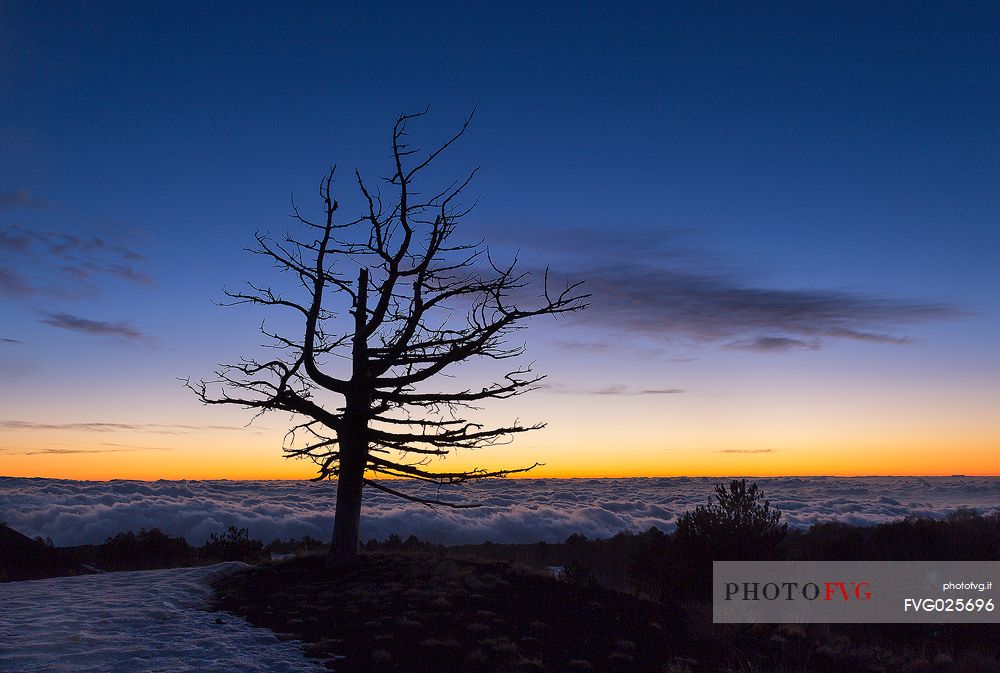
782 187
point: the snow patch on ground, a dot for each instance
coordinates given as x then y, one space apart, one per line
134 622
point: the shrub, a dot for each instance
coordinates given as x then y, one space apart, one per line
578 574
739 525
233 545
645 567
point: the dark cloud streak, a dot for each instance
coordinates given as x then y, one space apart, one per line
666 304
772 344
651 284
121 330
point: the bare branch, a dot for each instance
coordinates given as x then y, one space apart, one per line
423 501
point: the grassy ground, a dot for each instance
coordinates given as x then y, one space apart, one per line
419 614
422 613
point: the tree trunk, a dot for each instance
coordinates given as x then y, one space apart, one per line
347 519
353 441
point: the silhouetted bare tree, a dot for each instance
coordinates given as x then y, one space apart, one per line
419 303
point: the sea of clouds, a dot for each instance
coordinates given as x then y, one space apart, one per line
513 510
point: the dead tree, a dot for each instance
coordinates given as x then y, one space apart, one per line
419 303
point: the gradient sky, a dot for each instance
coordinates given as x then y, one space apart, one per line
787 215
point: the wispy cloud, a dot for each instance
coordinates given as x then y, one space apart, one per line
19 198
12 239
120 330
57 252
44 254
11 342
159 428
745 451
13 285
772 344
625 390
590 346
61 452
617 347
613 389
130 273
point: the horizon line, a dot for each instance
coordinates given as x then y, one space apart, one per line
528 478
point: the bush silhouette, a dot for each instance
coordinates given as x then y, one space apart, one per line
578 574
233 545
739 525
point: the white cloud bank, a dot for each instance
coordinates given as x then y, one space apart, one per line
514 510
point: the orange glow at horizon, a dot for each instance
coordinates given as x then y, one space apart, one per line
767 434
263 461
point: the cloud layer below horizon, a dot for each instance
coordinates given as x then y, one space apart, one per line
522 510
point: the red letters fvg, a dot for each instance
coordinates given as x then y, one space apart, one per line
856 590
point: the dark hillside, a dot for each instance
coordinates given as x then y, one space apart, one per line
22 558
